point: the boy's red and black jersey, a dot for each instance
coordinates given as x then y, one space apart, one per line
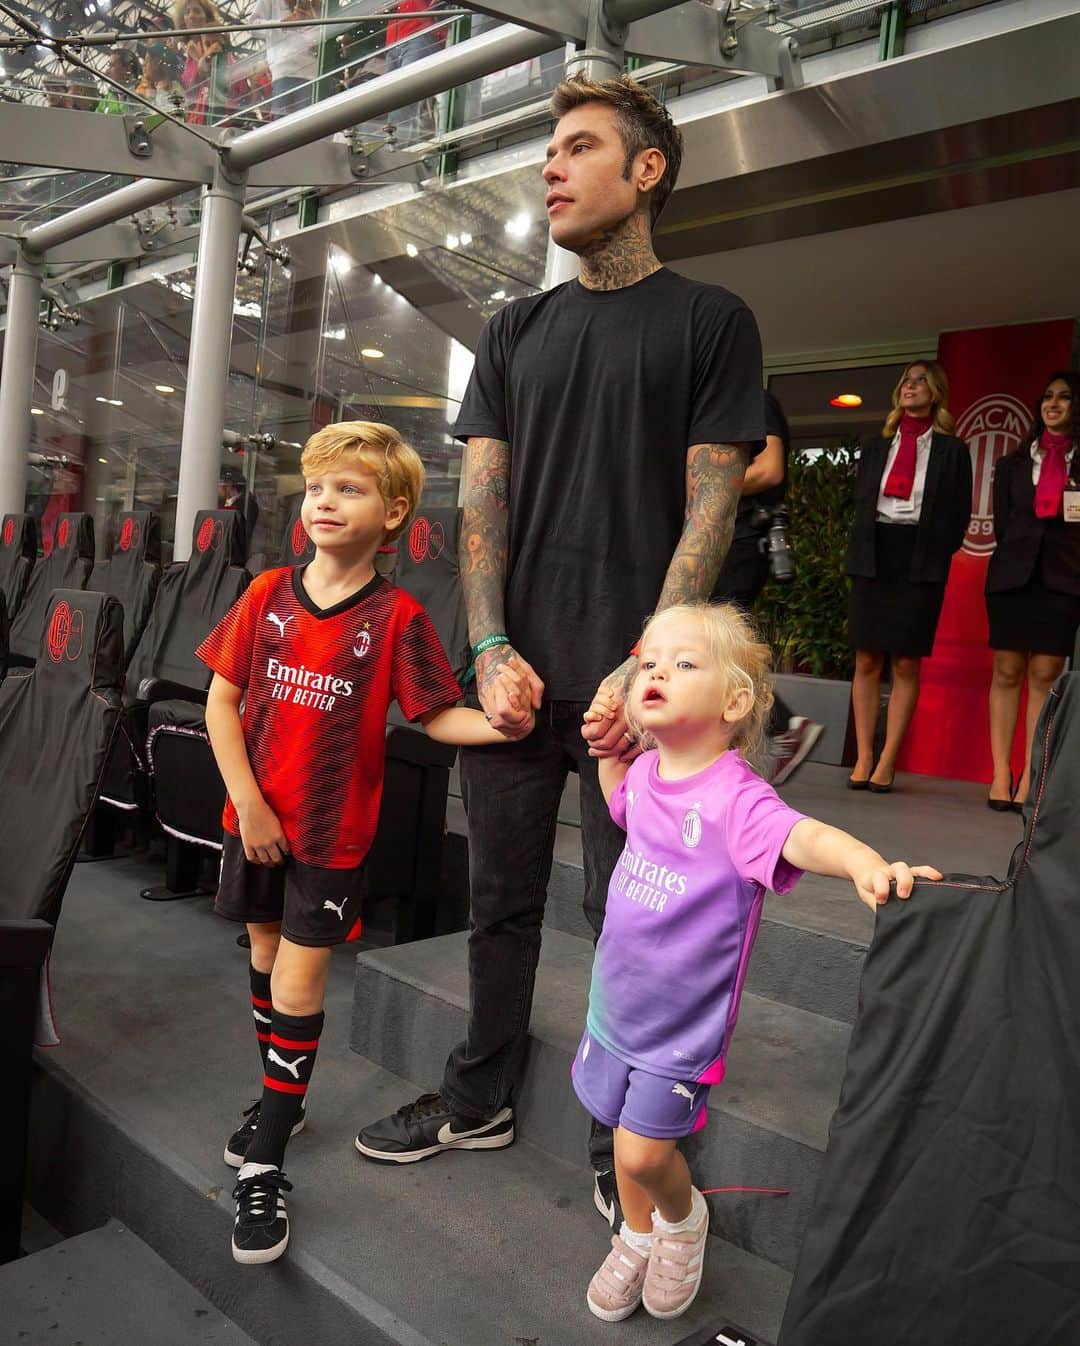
318 684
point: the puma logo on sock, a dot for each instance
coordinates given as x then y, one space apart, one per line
293 1067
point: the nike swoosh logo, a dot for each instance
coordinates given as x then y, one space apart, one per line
448 1134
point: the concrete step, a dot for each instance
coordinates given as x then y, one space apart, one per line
131 1112
768 1121
106 1287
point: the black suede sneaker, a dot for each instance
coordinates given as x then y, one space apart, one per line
261 1229
606 1197
429 1126
237 1146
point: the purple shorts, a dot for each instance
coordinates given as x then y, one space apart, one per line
616 1094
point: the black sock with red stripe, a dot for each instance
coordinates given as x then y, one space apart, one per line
261 1005
290 1059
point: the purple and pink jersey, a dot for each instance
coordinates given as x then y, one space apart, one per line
682 913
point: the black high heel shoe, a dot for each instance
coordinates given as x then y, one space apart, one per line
1006 805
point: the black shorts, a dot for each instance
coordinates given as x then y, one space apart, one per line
316 907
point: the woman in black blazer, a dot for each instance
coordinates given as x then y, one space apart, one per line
1033 581
912 508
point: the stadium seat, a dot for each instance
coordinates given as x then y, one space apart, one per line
132 572
405 861
18 555
191 599
4 635
67 566
57 723
297 548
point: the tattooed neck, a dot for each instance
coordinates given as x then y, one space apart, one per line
620 256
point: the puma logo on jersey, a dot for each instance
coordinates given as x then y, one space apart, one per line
293 1067
684 1092
280 622
333 906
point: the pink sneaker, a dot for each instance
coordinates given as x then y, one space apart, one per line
675 1266
615 1290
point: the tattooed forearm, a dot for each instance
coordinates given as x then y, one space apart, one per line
714 477
483 546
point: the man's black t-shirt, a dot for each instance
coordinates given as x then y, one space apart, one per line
599 394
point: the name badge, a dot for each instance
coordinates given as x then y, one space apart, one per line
1072 506
908 506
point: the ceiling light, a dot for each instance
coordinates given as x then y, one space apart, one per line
499 294
164 388
104 460
412 250
36 411
848 401
519 226
452 241
371 353
101 399
466 239
115 402
334 333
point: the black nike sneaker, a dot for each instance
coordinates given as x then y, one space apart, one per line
429 1126
237 1146
606 1197
261 1230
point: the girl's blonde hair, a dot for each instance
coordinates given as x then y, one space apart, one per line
374 448
737 650
938 382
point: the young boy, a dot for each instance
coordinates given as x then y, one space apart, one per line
315 654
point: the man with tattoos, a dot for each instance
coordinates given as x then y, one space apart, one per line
609 422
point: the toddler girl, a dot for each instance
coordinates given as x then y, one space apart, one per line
705 837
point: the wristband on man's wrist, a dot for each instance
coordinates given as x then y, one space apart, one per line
489 643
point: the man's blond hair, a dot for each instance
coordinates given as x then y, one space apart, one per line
374 448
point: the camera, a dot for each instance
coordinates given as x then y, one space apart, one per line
773 525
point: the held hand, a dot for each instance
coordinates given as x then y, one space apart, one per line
605 729
262 834
509 690
872 883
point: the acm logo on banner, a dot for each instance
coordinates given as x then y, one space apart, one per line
991 427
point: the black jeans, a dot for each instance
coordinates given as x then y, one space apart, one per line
511 794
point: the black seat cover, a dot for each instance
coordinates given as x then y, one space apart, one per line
297 549
132 572
4 636
67 566
57 721
427 568
18 553
947 1211
192 598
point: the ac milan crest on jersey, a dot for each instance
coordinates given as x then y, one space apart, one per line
691 826
318 685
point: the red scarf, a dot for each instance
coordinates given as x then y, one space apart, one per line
901 480
1052 474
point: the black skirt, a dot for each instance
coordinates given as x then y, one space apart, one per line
1033 619
892 613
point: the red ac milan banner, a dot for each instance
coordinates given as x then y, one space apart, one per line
997 374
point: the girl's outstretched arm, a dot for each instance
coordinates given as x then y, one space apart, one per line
821 849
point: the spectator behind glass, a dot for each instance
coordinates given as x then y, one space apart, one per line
1033 580
414 44
124 69
205 80
160 83
57 93
292 58
82 97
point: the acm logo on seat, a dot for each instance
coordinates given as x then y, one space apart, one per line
210 535
299 538
64 638
130 532
9 532
427 540
63 534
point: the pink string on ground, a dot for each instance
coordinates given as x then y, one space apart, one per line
763 1191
